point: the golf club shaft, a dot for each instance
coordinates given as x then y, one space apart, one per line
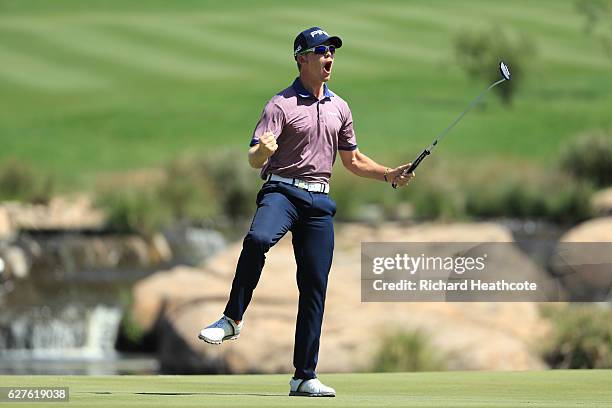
428 150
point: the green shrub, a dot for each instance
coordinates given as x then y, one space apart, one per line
189 191
589 157
352 194
407 352
508 199
235 182
347 202
194 189
478 53
551 198
129 328
571 203
19 181
581 336
593 12
437 203
139 210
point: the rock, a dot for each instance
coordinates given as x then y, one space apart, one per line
16 262
192 245
160 249
583 260
6 228
61 213
71 253
602 202
491 336
595 230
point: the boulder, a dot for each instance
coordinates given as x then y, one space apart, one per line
595 230
61 213
179 302
6 228
583 260
602 202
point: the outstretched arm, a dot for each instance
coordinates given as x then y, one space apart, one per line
361 165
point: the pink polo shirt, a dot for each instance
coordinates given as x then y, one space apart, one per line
309 133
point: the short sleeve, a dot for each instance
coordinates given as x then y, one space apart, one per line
346 136
272 119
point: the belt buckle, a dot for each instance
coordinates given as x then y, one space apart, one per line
301 184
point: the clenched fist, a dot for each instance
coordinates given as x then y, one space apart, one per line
267 144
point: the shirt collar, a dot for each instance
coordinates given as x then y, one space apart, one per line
304 93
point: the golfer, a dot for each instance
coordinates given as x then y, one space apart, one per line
295 144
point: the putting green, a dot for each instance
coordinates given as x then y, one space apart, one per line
446 389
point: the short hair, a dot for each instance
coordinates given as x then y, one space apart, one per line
299 66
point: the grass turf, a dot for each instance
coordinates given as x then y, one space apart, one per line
588 388
90 87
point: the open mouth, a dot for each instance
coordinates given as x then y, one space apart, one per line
327 67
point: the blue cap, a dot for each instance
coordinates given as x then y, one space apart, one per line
312 37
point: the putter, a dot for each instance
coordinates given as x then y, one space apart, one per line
505 72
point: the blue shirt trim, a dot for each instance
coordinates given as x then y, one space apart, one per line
348 148
303 92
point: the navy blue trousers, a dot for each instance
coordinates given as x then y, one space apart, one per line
281 208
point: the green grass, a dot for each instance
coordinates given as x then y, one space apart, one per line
90 87
447 389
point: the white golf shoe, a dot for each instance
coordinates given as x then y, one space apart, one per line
310 388
221 330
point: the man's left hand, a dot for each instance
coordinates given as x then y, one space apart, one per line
395 176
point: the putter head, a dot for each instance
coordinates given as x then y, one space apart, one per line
505 71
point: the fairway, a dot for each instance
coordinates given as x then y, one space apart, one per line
90 87
585 388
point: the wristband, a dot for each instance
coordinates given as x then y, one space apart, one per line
386 173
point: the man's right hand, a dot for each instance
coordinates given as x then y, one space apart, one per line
261 152
267 144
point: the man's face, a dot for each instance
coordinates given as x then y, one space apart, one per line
317 66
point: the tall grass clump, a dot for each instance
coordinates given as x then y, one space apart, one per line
581 336
550 197
194 190
407 351
22 182
134 210
589 157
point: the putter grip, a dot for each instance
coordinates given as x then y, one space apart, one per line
414 164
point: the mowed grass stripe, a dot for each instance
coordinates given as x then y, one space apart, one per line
545 15
34 44
555 40
145 56
277 39
367 43
95 42
38 72
455 17
191 37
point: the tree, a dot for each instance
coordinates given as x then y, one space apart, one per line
479 52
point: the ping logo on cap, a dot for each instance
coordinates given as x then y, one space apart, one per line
318 32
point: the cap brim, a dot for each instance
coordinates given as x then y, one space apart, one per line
334 40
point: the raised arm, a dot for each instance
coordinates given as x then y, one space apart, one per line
361 165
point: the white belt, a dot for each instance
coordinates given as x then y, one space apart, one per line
305 185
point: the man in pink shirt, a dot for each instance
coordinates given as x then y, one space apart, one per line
295 143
